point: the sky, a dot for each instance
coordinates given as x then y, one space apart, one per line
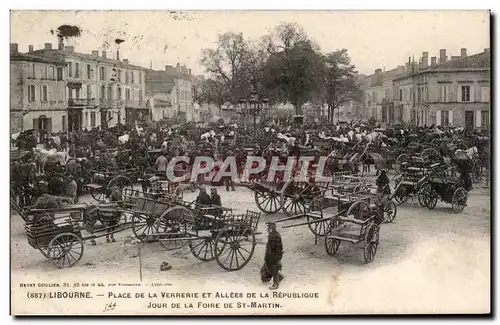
374 39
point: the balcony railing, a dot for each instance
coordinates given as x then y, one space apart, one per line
80 102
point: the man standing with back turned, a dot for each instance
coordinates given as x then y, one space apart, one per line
274 253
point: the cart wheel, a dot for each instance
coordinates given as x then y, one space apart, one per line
267 202
358 210
430 198
331 244
293 200
429 153
172 222
65 250
143 225
98 195
121 182
422 194
390 211
477 171
235 245
203 249
399 160
459 200
170 243
371 243
317 228
401 197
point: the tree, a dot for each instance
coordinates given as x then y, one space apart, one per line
290 69
339 81
224 64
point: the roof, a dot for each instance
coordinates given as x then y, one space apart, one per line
476 61
61 55
35 58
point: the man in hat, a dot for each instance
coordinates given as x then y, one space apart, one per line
274 253
161 164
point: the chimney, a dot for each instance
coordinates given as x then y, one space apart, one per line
48 46
433 60
70 49
463 52
60 44
14 49
125 61
104 54
118 55
425 60
408 68
95 53
30 48
442 56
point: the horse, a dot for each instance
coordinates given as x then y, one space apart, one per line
42 157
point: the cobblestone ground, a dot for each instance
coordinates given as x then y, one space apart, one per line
427 261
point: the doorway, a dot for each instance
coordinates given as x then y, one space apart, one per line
469 120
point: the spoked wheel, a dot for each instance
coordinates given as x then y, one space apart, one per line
401 197
98 194
371 243
295 197
203 249
430 198
332 244
65 250
171 223
318 228
459 200
390 211
121 182
143 225
423 193
235 245
429 154
402 158
358 210
477 171
268 202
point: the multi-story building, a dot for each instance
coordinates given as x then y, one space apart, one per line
170 93
378 96
101 90
37 92
452 91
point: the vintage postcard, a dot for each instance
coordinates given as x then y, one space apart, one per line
250 162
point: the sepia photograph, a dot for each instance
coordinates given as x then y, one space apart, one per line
271 162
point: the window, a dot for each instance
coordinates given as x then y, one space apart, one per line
140 96
52 73
101 73
126 77
59 73
77 70
140 78
110 92
77 90
44 93
131 77
92 119
45 72
485 94
103 92
119 117
89 92
64 123
70 69
88 72
31 93
445 118
444 93
465 93
119 74
419 95
485 119
119 93
127 94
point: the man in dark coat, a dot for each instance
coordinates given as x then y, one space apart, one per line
274 253
216 201
203 198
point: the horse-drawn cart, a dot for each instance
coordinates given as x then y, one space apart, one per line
104 181
448 190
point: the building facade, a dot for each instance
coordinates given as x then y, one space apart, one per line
37 93
452 91
101 91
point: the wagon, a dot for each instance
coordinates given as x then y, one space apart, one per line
104 181
211 232
448 190
410 182
57 234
